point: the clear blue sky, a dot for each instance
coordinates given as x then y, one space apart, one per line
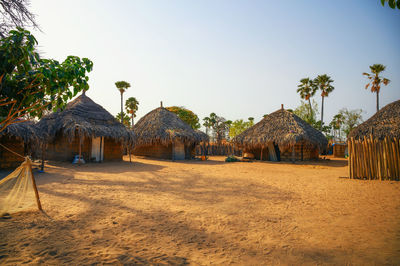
235 58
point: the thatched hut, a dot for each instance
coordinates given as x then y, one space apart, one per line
18 138
162 134
385 123
85 128
374 146
282 135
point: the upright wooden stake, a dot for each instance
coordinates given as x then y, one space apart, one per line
80 152
261 155
349 159
293 154
34 187
42 164
101 146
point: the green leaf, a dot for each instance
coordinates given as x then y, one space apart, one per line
392 3
398 4
383 2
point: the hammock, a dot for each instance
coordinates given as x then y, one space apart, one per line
18 190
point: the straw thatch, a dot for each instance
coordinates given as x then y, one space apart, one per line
385 123
85 118
284 128
26 131
161 126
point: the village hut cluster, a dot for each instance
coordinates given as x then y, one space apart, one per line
282 135
86 129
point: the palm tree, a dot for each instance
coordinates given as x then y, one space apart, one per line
131 106
122 86
337 123
376 80
307 89
323 82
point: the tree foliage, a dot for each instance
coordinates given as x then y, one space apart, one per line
131 107
307 89
186 115
14 14
351 119
392 3
218 124
239 125
323 83
122 86
303 111
376 81
30 84
127 119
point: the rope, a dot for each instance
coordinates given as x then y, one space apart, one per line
12 151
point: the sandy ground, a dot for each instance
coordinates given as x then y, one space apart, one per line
193 212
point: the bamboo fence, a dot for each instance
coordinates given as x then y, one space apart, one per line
374 159
218 149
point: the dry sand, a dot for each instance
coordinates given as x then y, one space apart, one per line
193 212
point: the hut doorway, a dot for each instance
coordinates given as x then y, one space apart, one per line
178 151
98 149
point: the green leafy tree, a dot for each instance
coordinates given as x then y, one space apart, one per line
376 81
351 119
218 125
186 115
239 125
126 119
251 121
392 3
131 106
303 111
207 124
323 83
337 123
29 85
122 86
307 89
228 128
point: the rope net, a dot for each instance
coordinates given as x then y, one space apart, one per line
17 191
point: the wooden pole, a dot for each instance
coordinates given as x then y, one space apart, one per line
34 186
349 161
173 151
293 154
80 152
261 154
42 164
101 144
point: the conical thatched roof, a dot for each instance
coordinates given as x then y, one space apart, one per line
384 123
26 131
87 118
282 127
163 126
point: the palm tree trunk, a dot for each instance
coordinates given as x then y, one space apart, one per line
122 115
322 112
132 121
377 101
311 113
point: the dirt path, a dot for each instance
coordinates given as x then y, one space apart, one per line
151 212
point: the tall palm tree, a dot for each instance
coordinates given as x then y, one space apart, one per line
376 80
323 83
131 106
307 89
122 86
